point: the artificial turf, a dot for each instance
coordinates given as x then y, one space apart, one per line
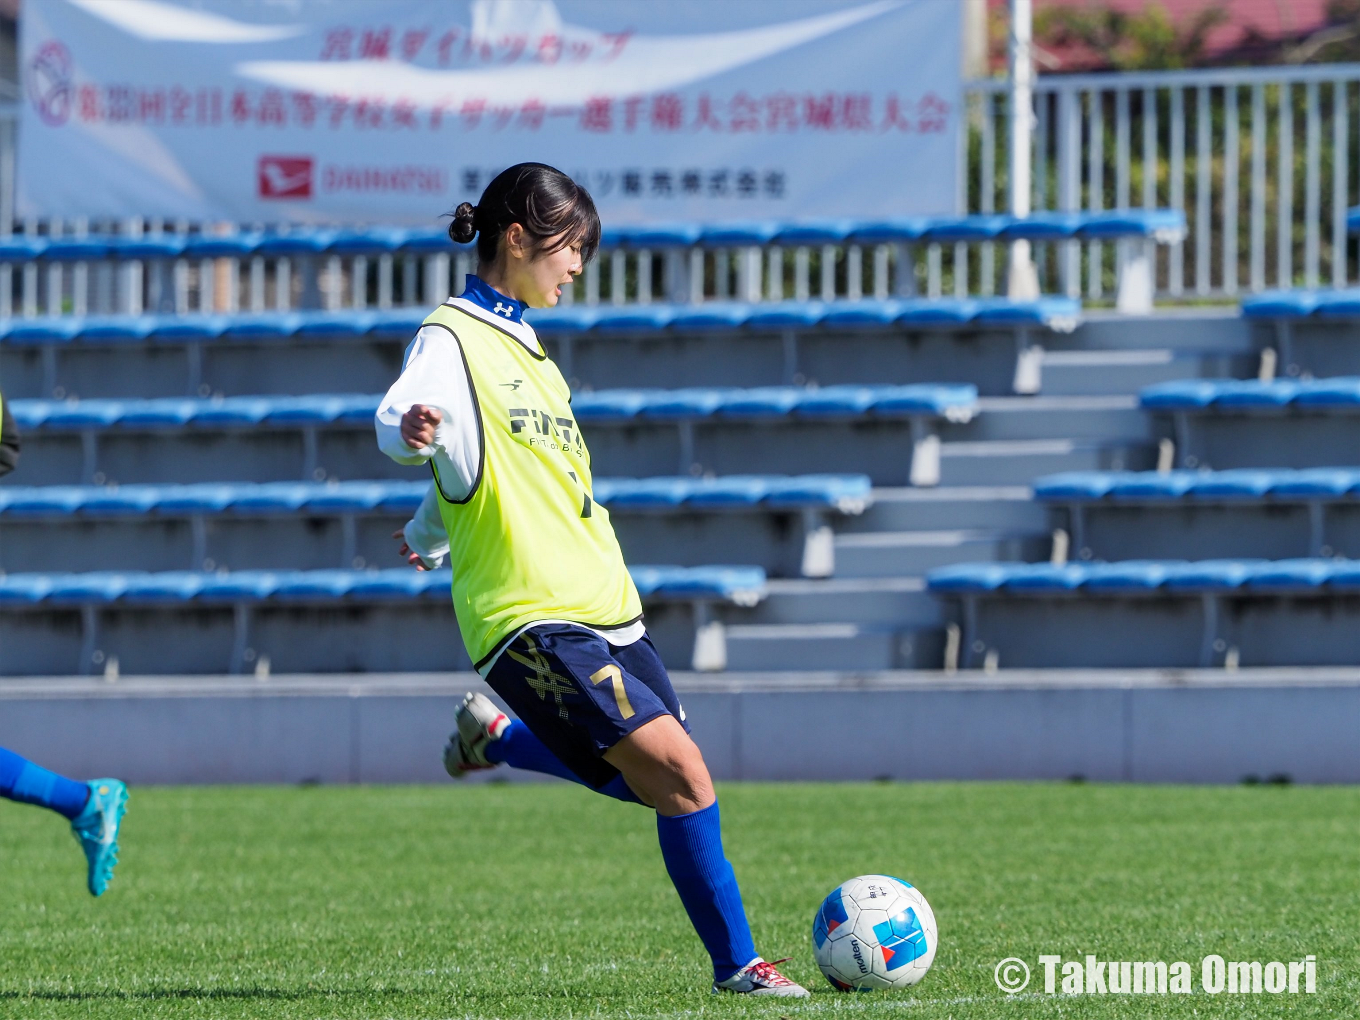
547 901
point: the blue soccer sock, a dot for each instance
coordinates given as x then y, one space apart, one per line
520 749
691 846
27 783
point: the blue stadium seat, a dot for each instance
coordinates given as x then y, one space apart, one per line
815 233
1199 394
192 328
564 319
948 230
1243 483
1280 304
661 235
266 326
76 249
209 246
787 315
956 401
403 496
742 585
937 311
1043 226
904 229
711 316
1165 226
1174 576
632 318
739 235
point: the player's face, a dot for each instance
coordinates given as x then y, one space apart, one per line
547 273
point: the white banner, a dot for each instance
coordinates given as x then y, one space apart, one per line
396 110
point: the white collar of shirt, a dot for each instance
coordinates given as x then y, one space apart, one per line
521 331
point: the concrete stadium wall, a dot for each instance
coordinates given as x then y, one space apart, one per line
1118 726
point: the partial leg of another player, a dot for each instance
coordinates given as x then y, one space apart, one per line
94 809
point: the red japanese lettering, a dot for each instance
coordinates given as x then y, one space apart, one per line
857 112
705 117
271 109
616 42
412 42
304 108
472 111
668 111
598 114
152 106
745 113
549 49
338 45
404 113
375 44
180 105
820 111
781 112
240 107
87 102
632 106
445 46
531 114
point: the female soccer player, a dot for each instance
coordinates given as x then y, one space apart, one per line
94 809
546 608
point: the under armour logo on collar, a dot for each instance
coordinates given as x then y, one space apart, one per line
503 309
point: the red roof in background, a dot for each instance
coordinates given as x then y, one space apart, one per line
1266 19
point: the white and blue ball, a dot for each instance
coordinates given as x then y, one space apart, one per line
874 932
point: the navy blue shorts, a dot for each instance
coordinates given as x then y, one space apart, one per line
581 695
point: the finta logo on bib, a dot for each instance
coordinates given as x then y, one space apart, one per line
285 176
538 428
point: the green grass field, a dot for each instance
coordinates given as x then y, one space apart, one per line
547 901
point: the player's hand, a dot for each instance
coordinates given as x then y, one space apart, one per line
405 551
418 426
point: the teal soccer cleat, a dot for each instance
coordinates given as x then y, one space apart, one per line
96 829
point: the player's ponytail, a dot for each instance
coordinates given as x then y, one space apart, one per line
462 230
548 204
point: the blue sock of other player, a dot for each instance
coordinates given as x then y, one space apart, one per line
28 783
691 846
520 749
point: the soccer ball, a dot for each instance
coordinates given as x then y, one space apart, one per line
872 932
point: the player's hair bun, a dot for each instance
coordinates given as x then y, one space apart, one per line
462 230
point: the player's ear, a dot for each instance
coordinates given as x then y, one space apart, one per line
514 241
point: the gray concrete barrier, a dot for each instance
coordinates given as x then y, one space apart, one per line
1190 726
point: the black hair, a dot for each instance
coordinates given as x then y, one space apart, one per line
541 199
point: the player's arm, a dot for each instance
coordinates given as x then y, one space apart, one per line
424 541
433 379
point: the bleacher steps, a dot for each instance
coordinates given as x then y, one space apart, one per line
894 553
869 601
1128 371
904 508
1016 462
837 646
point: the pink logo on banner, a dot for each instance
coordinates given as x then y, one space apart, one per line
49 83
285 176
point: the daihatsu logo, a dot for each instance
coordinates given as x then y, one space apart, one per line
285 176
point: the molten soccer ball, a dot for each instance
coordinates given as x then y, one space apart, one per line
874 932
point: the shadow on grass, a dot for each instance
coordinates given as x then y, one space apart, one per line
180 993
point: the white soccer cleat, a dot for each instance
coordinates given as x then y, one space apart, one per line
478 722
761 978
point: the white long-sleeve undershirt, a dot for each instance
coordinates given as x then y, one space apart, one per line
433 373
